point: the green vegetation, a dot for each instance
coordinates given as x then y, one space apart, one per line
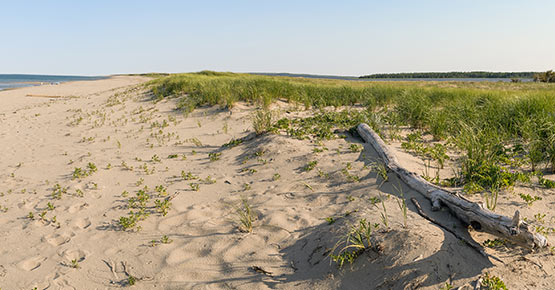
492 282
495 243
502 130
529 199
310 165
80 173
545 77
455 74
357 240
246 215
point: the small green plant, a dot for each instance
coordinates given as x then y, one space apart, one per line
58 191
140 200
319 150
214 156
188 175
50 206
374 200
126 167
155 158
128 222
210 180
330 220
92 168
355 147
163 206
323 174
232 143
495 243
172 156
246 186
161 190
350 177
310 166
165 240
492 282
194 186
529 199
276 176
547 183
447 286
75 264
79 173
42 216
31 216
131 280
246 215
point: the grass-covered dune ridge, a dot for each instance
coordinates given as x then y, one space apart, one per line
491 123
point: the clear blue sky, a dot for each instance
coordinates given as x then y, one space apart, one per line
320 37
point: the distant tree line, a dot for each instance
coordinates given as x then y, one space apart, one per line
545 77
440 75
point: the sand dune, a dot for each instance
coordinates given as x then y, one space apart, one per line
59 227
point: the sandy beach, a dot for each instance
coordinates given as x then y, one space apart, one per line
77 157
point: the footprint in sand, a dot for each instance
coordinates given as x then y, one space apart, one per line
81 223
77 207
31 263
75 254
57 239
63 284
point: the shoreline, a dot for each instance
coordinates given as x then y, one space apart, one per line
13 81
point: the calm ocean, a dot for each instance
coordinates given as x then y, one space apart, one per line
17 81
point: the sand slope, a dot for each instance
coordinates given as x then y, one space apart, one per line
78 243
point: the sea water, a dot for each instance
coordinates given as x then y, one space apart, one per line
8 81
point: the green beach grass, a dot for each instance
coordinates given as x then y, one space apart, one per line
504 130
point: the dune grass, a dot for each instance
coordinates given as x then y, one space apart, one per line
497 126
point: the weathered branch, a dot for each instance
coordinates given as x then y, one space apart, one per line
471 213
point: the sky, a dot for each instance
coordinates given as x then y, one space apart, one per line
317 37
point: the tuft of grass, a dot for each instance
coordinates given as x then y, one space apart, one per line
401 202
354 243
381 170
246 215
262 121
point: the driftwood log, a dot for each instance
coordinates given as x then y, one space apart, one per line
480 218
